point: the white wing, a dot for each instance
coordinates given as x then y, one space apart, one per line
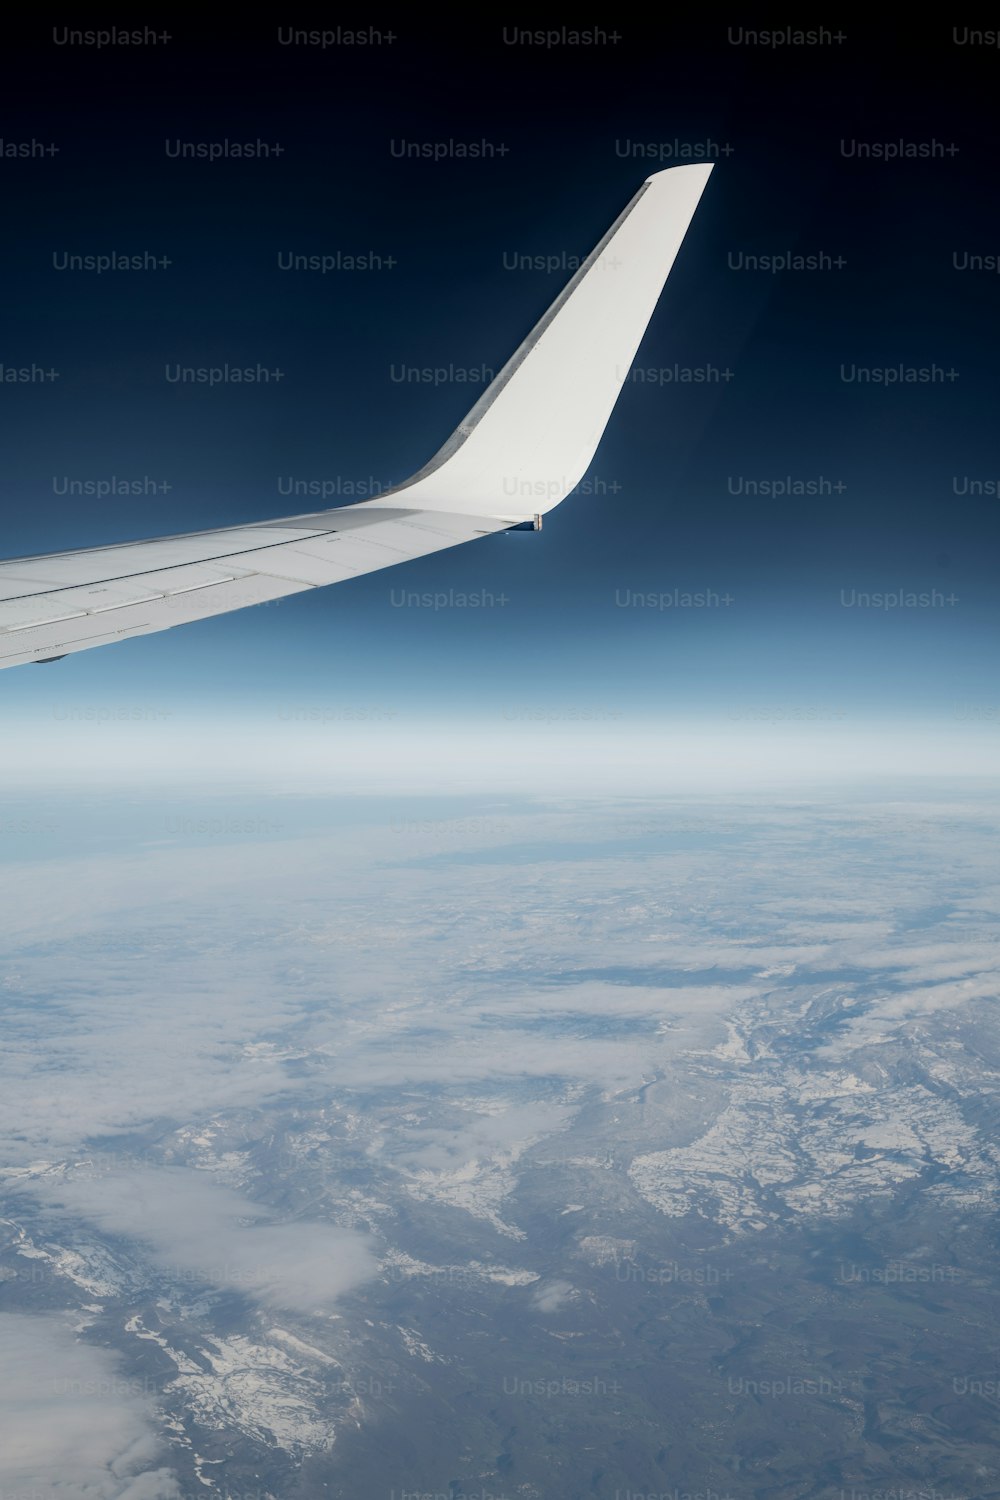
523 447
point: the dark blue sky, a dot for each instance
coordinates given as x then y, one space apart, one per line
909 471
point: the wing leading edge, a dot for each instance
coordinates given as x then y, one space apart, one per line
526 443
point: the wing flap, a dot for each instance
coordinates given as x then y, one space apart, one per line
57 621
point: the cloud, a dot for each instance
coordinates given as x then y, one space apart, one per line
552 1296
184 984
191 983
925 962
74 1427
193 1229
480 1137
316 977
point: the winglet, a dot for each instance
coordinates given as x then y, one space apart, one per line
531 436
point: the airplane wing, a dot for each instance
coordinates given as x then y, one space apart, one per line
526 443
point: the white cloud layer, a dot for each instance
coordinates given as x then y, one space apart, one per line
704 1004
194 1228
74 1426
